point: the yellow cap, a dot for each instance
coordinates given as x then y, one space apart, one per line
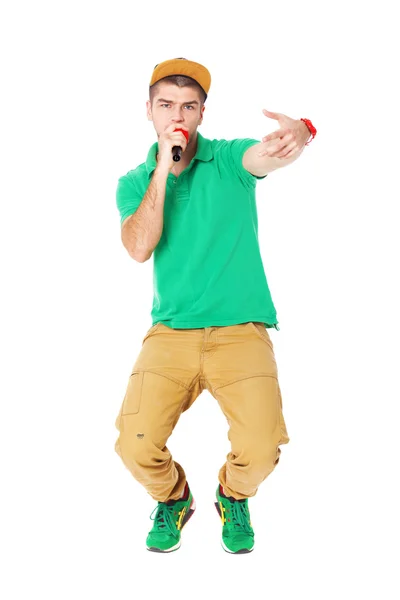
182 66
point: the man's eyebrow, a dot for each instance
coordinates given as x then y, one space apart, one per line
171 102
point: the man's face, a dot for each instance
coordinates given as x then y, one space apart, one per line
172 104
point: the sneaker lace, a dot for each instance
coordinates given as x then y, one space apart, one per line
241 517
163 520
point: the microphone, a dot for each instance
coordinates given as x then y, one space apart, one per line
176 153
177 150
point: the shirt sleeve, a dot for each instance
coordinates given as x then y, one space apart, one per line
235 150
127 196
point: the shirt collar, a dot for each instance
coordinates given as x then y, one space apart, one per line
204 152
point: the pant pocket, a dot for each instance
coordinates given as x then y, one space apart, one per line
133 394
150 332
260 330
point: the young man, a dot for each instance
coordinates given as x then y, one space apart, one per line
212 305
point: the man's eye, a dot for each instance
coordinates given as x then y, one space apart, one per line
187 106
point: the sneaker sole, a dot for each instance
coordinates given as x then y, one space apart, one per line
186 518
243 550
155 549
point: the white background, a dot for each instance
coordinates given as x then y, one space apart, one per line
75 306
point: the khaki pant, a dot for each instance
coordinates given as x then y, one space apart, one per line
236 364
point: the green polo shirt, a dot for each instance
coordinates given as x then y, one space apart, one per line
208 269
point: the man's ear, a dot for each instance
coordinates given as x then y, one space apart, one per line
148 110
203 108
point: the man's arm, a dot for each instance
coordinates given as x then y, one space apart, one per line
141 232
262 165
277 149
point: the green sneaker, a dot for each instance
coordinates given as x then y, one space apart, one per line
237 533
169 521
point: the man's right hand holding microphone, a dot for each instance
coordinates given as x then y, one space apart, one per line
167 140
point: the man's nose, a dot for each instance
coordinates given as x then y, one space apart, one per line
177 116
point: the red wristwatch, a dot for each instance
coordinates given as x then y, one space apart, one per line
311 128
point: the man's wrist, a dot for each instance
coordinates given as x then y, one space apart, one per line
311 129
307 132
